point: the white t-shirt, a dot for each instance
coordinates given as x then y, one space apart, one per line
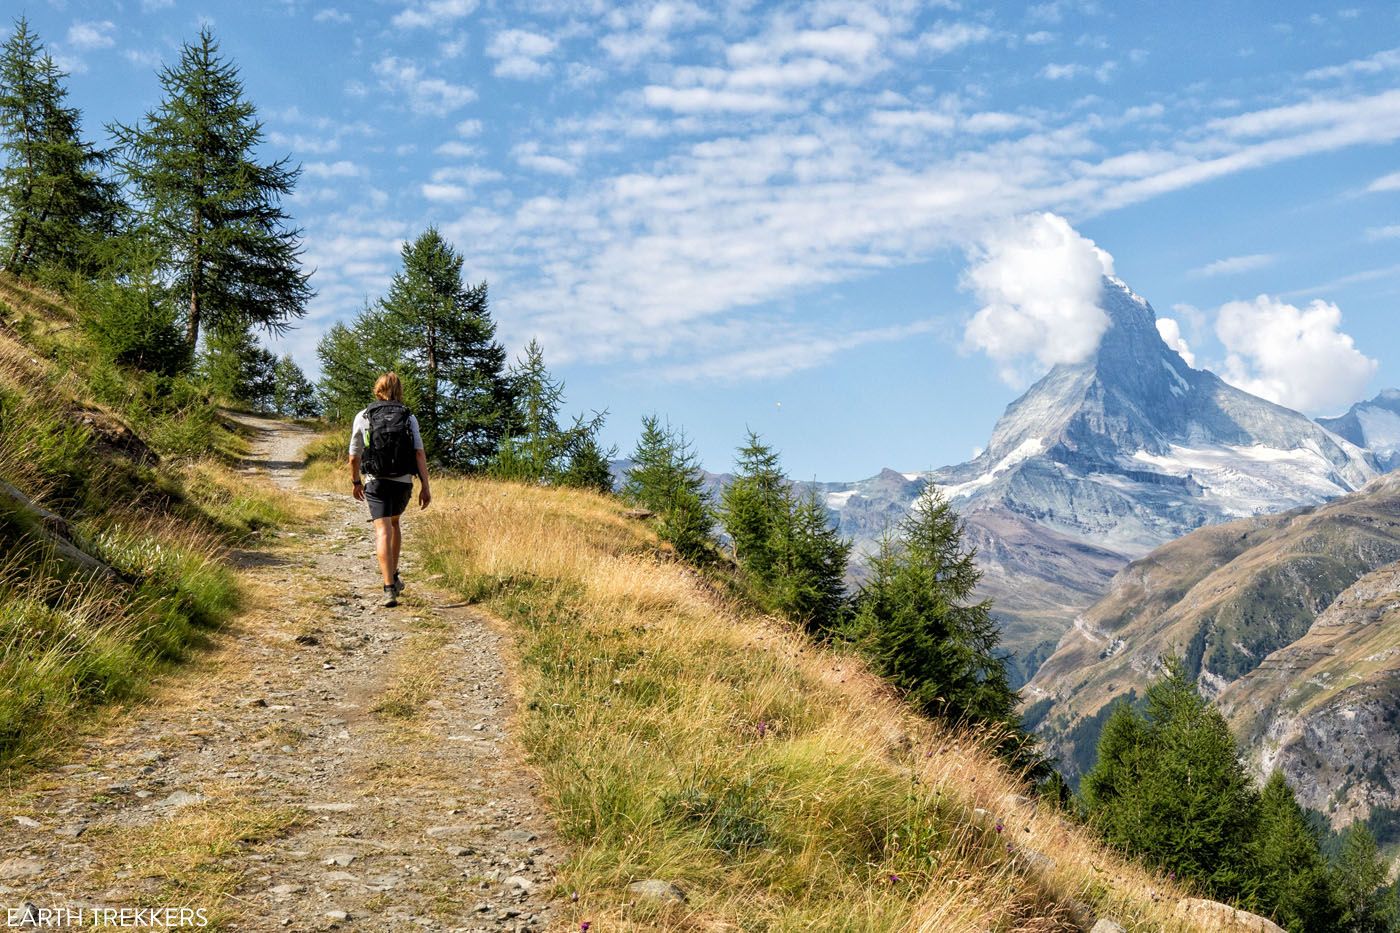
360 428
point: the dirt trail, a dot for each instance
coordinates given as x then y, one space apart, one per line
328 764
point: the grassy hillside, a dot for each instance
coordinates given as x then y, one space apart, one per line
117 508
679 735
1224 597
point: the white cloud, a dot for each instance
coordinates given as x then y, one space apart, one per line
1296 357
141 58
518 53
434 13
456 149
1171 336
1234 265
469 128
86 36
776 356
1389 182
705 100
341 169
1039 282
1055 72
1388 60
443 192
331 15
466 174
649 35
529 156
944 38
1039 38
1389 232
151 6
425 95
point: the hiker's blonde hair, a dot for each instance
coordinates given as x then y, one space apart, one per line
388 388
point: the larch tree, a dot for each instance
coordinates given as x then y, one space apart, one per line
919 621
229 251
753 507
55 202
665 478
443 330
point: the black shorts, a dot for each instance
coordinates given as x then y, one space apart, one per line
387 498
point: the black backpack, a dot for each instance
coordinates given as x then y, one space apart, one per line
389 449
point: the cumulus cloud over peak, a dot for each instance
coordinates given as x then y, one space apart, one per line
1170 330
1039 282
1297 357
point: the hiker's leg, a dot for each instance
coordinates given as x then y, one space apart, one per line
395 545
385 547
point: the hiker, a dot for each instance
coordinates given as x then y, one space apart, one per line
386 443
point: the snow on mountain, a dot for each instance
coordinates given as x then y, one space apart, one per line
1115 456
1373 426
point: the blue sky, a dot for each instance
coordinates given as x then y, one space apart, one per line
856 227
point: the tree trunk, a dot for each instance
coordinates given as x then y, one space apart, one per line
197 266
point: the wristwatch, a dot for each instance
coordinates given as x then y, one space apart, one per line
356 483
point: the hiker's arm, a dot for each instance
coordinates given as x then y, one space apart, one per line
357 488
425 494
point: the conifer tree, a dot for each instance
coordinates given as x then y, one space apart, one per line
533 444
228 250
665 478
443 331
55 203
918 622
587 466
1114 775
352 358
753 507
238 368
809 565
1293 883
1367 903
293 395
1171 789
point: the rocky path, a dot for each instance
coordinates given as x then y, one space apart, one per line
327 764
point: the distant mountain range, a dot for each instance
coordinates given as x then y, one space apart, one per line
1099 462
1374 425
1239 601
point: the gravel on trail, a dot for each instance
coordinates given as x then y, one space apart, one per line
324 764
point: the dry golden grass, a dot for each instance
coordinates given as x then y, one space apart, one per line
684 736
190 856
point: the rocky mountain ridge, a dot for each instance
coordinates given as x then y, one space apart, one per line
1101 461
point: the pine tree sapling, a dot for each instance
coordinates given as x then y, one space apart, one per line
1365 899
228 249
665 478
753 506
239 369
293 395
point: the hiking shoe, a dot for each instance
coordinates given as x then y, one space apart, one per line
391 597
398 584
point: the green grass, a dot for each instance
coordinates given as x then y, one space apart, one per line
136 469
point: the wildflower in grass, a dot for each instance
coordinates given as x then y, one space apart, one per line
894 879
574 897
762 728
1000 827
583 927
